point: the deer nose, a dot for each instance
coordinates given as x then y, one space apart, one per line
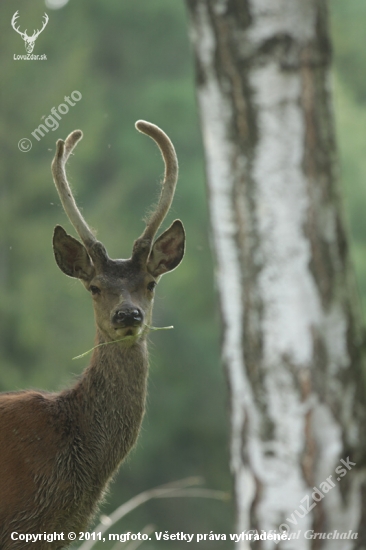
128 317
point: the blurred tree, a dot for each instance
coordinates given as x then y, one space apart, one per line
292 335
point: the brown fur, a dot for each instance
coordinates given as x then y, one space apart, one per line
59 451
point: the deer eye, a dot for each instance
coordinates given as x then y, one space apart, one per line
94 290
151 286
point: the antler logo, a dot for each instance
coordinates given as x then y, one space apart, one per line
28 40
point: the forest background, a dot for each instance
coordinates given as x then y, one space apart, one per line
132 60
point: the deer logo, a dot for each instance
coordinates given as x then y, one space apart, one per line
28 40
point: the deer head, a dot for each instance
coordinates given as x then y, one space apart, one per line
28 40
122 290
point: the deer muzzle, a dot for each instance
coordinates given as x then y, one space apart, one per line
127 317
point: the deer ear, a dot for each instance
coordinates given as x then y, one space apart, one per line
168 250
71 256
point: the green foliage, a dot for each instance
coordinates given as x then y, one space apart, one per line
129 60
349 36
348 20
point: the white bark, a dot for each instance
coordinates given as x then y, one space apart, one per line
265 224
228 276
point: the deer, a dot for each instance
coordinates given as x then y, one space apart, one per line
60 450
29 41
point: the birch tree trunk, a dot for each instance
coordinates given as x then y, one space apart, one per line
292 335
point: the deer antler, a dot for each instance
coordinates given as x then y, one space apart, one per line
63 151
37 33
143 244
13 21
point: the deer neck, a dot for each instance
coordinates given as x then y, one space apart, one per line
110 397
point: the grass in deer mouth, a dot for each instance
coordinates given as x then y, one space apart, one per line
126 337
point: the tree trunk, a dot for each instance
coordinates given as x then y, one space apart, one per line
292 335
